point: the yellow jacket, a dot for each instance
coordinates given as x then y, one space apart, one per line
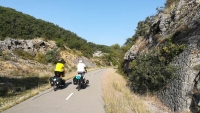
59 67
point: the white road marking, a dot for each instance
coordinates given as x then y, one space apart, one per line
69 96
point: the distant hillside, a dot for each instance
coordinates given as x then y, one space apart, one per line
18 25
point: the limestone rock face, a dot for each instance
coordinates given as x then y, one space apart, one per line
30 46
12 63
179 94
185 17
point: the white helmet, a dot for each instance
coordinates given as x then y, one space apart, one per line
80 61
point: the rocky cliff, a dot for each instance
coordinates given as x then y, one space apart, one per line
11 64
182 23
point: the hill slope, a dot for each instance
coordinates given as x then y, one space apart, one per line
17 25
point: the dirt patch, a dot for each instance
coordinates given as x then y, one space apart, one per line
154 104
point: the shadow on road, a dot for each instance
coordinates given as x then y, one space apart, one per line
66 85
84 86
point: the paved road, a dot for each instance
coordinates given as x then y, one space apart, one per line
67 100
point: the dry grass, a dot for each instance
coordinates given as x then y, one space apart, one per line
170 8
119 99
139 40
117 96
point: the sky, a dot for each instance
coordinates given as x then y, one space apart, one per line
104 22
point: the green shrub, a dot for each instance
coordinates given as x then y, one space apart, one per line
97 63
5 55
150 74
23 54
60 43
41 58
168 50
52 55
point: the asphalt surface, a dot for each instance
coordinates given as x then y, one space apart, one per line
68 99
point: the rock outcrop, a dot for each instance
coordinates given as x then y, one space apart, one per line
31 46
12 63
183 24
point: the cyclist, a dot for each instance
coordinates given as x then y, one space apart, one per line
60 70
81 69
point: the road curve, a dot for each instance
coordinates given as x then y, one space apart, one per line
67 100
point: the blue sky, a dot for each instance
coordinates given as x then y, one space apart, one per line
104 22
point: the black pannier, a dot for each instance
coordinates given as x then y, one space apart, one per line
55 81
51 81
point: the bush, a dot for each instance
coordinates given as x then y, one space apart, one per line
5 55
170 2
150 74
24 54
168 50
52 55
41 58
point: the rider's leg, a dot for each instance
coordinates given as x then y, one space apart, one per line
82 75
57 74
84 78
61 75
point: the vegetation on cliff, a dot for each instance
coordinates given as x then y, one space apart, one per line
151 70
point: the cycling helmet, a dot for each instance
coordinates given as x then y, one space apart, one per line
60 60
80 61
